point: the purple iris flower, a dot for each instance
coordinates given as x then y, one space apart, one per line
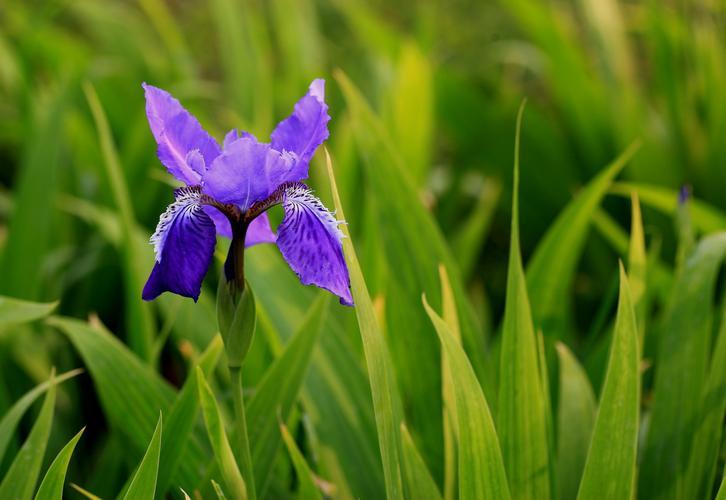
229 189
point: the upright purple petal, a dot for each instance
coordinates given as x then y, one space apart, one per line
247 171
177 133
233 135
184 246
309 240
304 130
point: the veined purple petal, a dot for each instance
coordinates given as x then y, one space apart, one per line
233 135
177 133
184 246
304 130
258 232
309 240
247 171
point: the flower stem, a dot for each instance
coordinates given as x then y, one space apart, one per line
243 442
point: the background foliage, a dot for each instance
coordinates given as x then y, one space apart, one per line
625 105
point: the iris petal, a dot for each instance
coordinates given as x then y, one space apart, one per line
184 246
246 172
177 133
304 130
310 242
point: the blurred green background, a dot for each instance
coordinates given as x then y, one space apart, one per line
444 77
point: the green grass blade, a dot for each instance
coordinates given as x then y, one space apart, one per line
681 372
521 420
19 482
386 400
419 483
131 393
637 265
140 327
704 453
277 392
51 488
610 466
481 466
551 269
11 419
143 484
15 311
218 438
183 415
307 490
575 421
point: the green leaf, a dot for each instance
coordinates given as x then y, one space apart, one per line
706 218
19 482
307 490
575 421
131 393
143 484
140 327
277 392
51 487
637 265
610 465
521 421
11 419
15 311
419 483
680 375
709 430
218 438
182 417
551 269
386 400
481 466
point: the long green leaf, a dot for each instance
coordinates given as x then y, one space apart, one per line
575 421
143 484
307 488
551 269
481 466
419 483
386 400
183 416
11 419
15 311
277 392
138 314
684 343
51 488
610 465
19 482
218 438
521 420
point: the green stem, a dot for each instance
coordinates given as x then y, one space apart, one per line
243 441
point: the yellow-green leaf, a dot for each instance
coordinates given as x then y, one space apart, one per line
51 488
143 484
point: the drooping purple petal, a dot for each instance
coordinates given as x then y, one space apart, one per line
259 230
304 130
177 133
184 246
247 171
309 240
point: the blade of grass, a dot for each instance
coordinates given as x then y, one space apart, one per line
386 400
681 372
419 483
51 487
11 419
522 426
307 490
576 418
19 482
551 269
610 466
143 484
15 311
481 466
637 265
218 438
140 328
277 392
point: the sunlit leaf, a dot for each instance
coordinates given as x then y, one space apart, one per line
51 487
143 484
